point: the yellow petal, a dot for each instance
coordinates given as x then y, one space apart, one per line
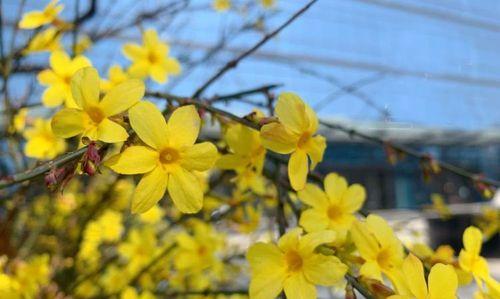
185 190
134 52
313 220
158 74
122 97
297 287
263 256
52 97
473 240
335 186
371 269
310 241
266 286
276 137
382 230
68 122
201 156
59 62
443 282
312 195
324 270
150 190
148 122
363 239
111 132
78 63
290 240
172 66
183 126
231 161
85 87
291 111
414 273
47 77
354 198
297 169
134 160
34 19
150 38
315 148
313 119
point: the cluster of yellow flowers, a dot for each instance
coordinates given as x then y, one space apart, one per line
224 5
117 253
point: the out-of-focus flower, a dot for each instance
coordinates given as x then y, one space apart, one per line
116 76
42 143
151 59
221 5
36 18
169 159
268 3
295 134
83 44
92 117
46 40
440 206
58 79
19 121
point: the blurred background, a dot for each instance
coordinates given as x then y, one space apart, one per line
424 74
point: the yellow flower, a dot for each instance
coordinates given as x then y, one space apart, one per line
246 147
221 5
198 251
439 205
294 134
268 3
153 216
442 281
131 293
47 40
19 121
139 249
36 18
116 75
378 246
83 44
92 117
469 258
293 265
151 59
169 158
32 275
333 208
58 78
42 143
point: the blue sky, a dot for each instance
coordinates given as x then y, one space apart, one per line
430 62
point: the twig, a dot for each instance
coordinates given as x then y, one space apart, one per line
412 152
233 63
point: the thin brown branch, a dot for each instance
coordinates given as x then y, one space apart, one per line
233 63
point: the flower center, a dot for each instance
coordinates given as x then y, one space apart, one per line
334 212
95 114
384 258
293 261
202 250
152 57
304 138
169 155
